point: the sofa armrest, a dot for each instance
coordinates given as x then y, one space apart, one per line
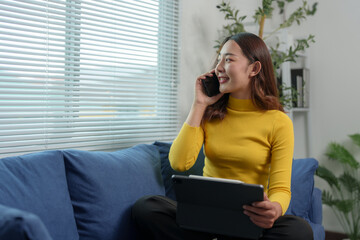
318 231
20 225
315 213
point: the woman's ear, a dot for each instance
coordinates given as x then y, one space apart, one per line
255 68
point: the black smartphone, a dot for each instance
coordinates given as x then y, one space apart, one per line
211 85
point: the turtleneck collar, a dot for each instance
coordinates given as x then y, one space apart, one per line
241 104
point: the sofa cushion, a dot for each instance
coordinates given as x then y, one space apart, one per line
318 231
36 183
104 185
167 171
21 225
302 185
315 213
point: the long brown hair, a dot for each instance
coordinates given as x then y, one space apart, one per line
264 93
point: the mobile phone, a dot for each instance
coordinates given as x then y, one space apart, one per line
211 85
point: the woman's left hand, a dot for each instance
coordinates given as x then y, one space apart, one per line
263 213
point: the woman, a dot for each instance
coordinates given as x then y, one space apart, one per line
246 136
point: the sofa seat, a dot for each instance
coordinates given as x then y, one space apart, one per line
87 195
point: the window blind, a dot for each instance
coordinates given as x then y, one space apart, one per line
90 74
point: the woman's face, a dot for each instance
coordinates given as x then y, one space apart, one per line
234 71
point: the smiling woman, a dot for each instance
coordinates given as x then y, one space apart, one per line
246 136
245 56
91 75
233 69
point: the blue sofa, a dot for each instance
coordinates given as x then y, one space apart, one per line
73 194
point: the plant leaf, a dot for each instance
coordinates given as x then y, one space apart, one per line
327 198
349 182
328 176
344 206
355 138
281 5
267 8
312 11
338 152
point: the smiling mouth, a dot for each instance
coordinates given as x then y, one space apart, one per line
223 79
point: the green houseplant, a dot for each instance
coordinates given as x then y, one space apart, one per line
343 197
265 11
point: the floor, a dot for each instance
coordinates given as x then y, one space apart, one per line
334 235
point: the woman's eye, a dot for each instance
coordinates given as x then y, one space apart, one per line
227 60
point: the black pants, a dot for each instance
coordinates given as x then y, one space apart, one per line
155 217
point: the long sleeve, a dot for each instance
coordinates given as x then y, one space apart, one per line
186 147
282 148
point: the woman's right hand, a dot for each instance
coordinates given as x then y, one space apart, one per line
200 97
201 101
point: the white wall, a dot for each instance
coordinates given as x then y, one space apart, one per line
335 79
333 61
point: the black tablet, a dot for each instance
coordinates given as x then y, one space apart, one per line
215 205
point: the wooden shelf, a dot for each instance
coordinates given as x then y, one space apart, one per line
300 109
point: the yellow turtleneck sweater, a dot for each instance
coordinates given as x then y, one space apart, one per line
250 145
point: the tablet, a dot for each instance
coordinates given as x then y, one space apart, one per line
214 205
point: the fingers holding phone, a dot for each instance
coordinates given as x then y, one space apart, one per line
207 88
211 85
201 101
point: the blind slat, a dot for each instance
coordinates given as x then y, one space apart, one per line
120 40
67 133
161 85
54 49
139 115
88 87
76 65
90 145
70 100
75 139
161 72
60 74
24 129
122 121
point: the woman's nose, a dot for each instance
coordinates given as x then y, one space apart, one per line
219 67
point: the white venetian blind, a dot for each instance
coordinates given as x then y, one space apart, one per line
87 74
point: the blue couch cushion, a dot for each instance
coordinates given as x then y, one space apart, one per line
302 185
104 185
21 225
167 171
36 183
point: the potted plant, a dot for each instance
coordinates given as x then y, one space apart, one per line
343 197
236 25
